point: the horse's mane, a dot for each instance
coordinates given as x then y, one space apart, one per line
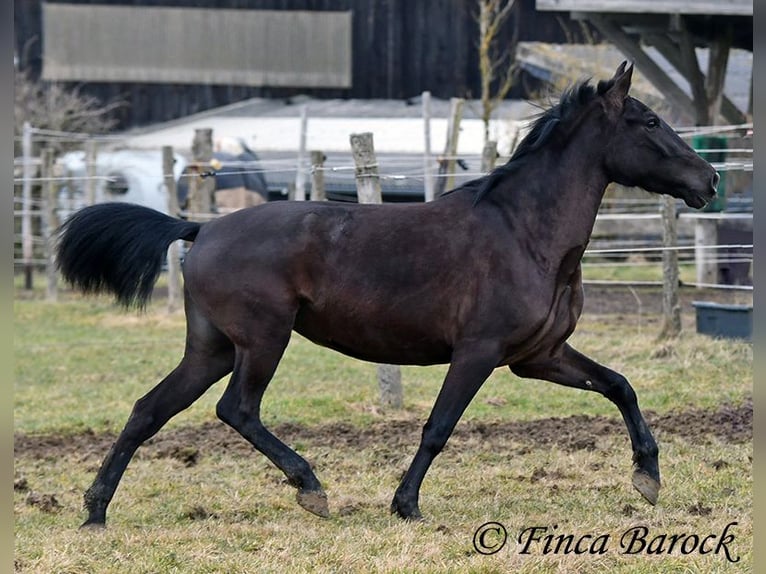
543 128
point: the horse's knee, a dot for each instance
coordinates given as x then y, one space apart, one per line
142 420
620 391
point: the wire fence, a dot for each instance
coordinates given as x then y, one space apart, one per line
46 194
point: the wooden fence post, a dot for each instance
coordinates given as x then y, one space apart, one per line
27 241
705 236
428 174
447 164
201 189
174 252
317 176
300 174
90 171
671 310
368 191
367 179
488 156
50 223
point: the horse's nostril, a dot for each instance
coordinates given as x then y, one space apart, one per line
716 179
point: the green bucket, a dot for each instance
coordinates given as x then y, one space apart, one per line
700 143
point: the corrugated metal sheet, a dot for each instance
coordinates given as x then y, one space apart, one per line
98 43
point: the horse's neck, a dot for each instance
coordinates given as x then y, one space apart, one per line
552 204
563 192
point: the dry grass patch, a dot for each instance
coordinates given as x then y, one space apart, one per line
197 498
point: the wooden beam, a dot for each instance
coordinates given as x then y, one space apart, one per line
691 70
716 73
671 51
649 68
712 7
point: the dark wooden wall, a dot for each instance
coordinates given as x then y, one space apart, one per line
400 48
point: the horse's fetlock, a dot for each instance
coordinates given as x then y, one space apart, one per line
650 452
95 497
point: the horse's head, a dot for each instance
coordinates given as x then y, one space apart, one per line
642 150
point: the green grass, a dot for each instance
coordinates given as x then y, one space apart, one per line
80 364
91 361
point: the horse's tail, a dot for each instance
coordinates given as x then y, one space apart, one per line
118 248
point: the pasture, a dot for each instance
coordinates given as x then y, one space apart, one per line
198 499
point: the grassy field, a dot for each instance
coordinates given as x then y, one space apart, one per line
81 364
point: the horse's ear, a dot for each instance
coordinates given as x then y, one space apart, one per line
615 96
620 70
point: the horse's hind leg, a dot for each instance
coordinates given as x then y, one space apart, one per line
573 369
240 405
209 356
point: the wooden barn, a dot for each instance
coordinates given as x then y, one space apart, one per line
173 58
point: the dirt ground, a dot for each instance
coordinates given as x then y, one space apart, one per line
727 422
648 300
733 424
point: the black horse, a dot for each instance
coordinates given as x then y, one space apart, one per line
484 277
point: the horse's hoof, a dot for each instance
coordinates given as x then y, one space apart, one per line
315 501
413 515
647 486
92 525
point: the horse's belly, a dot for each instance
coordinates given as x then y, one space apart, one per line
402 344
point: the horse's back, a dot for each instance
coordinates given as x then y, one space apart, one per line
362 279
387 283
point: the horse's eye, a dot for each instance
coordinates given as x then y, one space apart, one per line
652 123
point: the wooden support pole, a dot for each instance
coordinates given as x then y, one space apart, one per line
317 176
695 77
717 64
175 294
428 167
671 310
368 191
50 223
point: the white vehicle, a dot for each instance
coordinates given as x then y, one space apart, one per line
133 176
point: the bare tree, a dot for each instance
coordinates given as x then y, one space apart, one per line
49 106
496 63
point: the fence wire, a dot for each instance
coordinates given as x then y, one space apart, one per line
405 168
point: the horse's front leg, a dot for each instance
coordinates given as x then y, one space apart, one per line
573 369
468 370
